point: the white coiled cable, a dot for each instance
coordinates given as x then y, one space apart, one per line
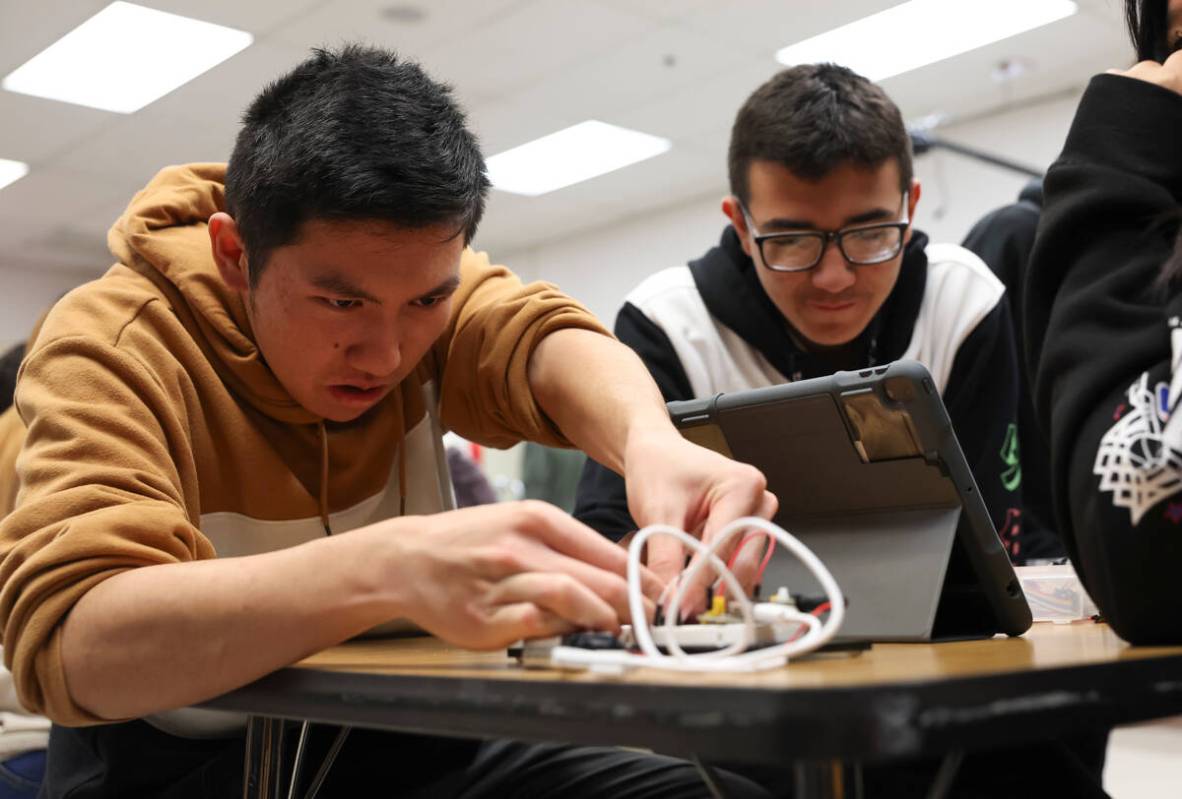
734 658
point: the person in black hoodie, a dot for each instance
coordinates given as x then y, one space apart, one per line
1103 321
1004 239
820 270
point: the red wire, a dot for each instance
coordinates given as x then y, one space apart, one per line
767 554
824 607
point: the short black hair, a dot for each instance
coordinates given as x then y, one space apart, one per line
1148 22
10 362
812 119
352 134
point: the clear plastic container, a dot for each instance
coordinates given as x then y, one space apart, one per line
1055 593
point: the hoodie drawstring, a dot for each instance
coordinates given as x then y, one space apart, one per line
324 478
402 478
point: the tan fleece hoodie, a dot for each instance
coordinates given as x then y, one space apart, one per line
157 434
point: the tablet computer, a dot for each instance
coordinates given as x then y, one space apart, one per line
870 476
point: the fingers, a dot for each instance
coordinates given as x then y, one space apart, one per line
746 568
509 623
1168 74
666 557
769 506
745 496
611 588
561 596
570 537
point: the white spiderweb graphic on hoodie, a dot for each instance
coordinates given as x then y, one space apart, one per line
1139 459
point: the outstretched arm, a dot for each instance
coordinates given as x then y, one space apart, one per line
599 394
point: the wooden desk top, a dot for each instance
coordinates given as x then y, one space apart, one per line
894 700
1045 646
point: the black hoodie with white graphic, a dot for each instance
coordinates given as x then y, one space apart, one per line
1104 342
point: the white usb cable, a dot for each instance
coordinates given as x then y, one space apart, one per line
734 658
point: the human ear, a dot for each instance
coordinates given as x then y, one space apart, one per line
229 252
734 212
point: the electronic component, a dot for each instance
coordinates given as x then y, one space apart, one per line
739 636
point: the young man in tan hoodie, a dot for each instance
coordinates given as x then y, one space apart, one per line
267 366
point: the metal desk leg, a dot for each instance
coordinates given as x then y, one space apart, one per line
710 777
263 763
945 776
827 779
329 759
297 764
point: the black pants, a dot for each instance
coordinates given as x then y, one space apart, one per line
136 760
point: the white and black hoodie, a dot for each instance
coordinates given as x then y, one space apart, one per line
709 327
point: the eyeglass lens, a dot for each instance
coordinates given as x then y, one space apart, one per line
872 245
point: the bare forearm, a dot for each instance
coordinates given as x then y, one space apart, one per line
598 392
161 637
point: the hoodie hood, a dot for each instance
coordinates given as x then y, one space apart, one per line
164 235
1032 192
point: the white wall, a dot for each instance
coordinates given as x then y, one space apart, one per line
958 190
600 266
24 294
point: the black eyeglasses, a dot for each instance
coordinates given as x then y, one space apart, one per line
863 245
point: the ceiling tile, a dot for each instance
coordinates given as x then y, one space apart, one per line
682 172
27 28
257 17
340 21
136 148
512 222
222 94
703 105
761 27
46 196
965 84
645 70
663 10
530 42
60 218
35 129
501 124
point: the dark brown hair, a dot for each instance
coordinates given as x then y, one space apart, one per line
354 134
812 119
1148 22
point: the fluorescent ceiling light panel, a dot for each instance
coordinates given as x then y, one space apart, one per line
922 32
12 171
571 156
125 57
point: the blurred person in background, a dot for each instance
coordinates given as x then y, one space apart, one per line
23 735
1004 239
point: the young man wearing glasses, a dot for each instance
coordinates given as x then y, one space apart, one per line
819 271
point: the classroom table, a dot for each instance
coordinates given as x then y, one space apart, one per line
826 714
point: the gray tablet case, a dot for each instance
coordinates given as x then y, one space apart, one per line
870 476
